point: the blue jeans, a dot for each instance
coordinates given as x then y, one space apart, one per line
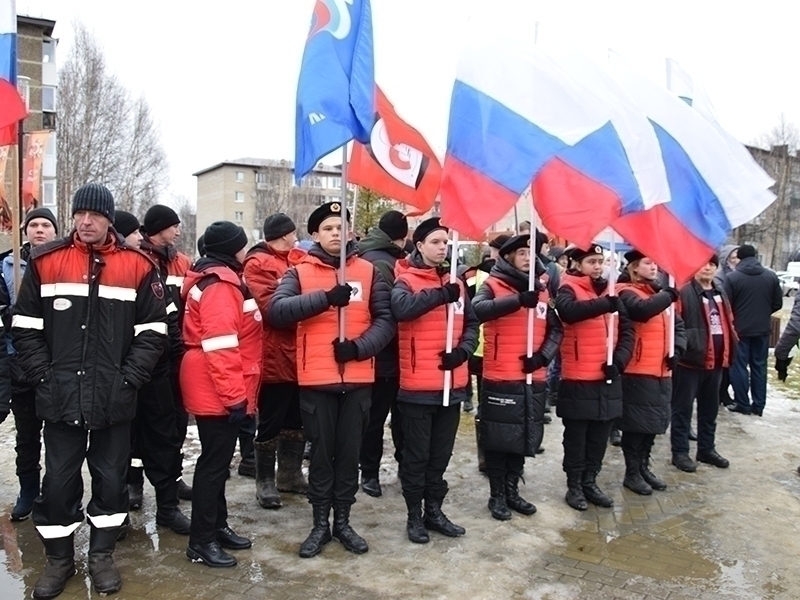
752 351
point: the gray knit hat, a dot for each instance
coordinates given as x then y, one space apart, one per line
96 198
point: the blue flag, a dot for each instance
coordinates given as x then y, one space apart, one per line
336 89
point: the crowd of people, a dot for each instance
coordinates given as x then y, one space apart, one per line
115 339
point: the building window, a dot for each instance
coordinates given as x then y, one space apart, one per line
48 51
49 98
238 216
50 148
261 177
239 176
239 196
49 196
24 89
49 120
335 182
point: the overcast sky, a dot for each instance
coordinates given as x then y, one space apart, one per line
221 76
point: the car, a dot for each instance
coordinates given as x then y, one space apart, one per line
789 284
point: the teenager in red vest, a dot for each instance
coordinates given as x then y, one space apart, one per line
420 298
590 395
335 377
512 411
647 382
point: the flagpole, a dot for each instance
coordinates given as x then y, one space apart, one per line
451 307
355 204
16 206
343 249
612 288
671 322
532 286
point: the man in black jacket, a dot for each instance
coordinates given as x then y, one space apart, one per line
706 315
755 293
383 246
89 326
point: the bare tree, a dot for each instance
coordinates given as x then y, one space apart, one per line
187 213
103 136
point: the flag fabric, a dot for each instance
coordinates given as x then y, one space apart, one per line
710 193
336 88
33 156
529 123
397 162
12 107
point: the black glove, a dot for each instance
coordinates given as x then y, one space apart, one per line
3 416
339 295
453 360
344 351
529 298
237 412
672 362
673 293
781 366
614 304
532 363
611 372
451 292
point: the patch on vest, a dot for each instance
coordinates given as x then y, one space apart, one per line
357 295
459 305
501 401
61 304
158 290
541 310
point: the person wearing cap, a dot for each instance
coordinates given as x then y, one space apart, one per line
590 394
219 376
127 225
710 347
40 228
383 247
335 377
280 426
90 324
420 297
161 229
512 411
647 381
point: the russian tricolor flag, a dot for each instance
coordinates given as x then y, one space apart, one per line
12 108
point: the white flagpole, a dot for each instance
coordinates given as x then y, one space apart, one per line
671 322
343 249
612 288
451 307
532 286
355 204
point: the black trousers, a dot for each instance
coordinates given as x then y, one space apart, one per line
503 464
57 511
335 423
29 432
688 384
585 445
278 408
209 507
429 432
384 399
637 443
155 439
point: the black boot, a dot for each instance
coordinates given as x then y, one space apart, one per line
497 500
105 576
59 568
28 492
184 490
210 554
633 476
247 466
514 500
343 532
615 437
168 514
371 485
135 487
593 493
575 497
436 520
481 457
266 492
320 534
228 538
651 478
414 527
290 478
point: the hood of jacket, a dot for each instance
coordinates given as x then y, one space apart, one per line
377 239
750 266
512 276
724 255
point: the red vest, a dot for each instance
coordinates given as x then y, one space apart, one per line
422 339
726 319
652 339
506 338
584 349
316 364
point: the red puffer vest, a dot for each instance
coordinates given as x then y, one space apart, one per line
584 349
316 364
423 339
652 339
506 338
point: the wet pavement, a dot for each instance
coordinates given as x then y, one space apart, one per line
714 534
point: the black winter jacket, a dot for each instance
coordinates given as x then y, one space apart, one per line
755 293
693 313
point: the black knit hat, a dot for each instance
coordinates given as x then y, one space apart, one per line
158 218
427 227
329 209
94 197
577 254
125 223
498 242
714 259
201 245
278 225
224 237
394 224
633 256
746 251
515 243
40 213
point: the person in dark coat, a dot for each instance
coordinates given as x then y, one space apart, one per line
590 394
755 293
647 382
512 410
383 247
